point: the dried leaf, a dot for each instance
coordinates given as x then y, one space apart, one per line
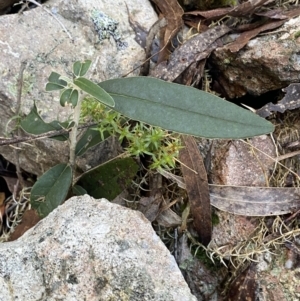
11 182
250 26
212 14
14 186
2 198
197 188
249 201
277 13
168 218
185 215
154 30
2 205
240 10
246 8
192 76
294 12
244 38
244 287
172 12
255 201
290 101
30 218
193 50
149 206
177 179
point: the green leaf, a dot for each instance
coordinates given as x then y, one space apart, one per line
54 83
53 87
78 190
74 98
183 109
35 125
80 69
51 189
90 138
94 90
69 96
109 179
54 77
76 68
85 67
65 97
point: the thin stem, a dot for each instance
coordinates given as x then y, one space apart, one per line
49 12
10 141
73 134
18 112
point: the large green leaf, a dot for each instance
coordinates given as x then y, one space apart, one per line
183 109
89 87
35 125
109 179
51 189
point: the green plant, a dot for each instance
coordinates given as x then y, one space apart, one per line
141 139
150 101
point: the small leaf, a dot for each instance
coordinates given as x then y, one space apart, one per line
183 109
65 97
109 179
51 189
54 77
53 87
35 125
94 90
69 96
80 69
76 68
85 67
74 98
55 83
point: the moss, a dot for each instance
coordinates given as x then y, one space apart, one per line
215 219
297 34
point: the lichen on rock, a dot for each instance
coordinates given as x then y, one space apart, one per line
107 27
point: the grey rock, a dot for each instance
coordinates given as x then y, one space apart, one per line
35 37
90 249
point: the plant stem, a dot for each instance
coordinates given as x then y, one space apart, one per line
20 139
18 130
50 13
73 135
